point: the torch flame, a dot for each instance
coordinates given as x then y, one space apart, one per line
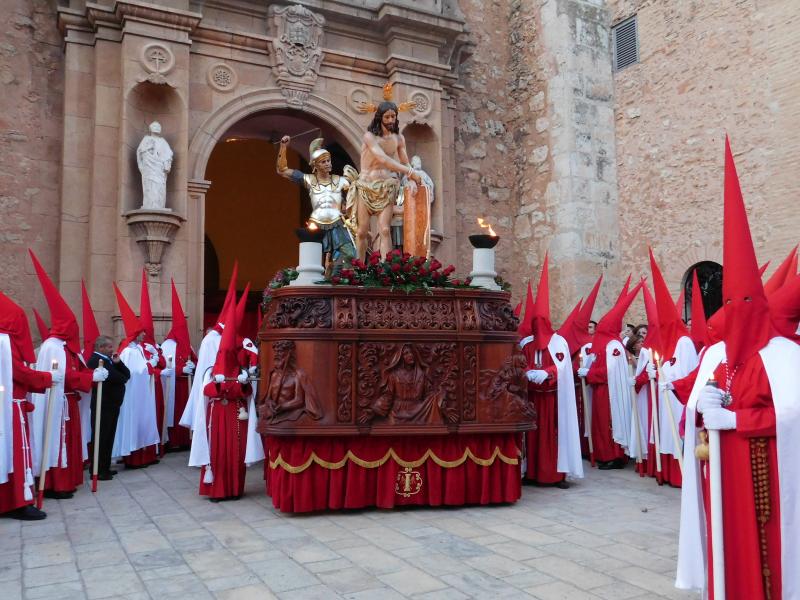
486 225
312 226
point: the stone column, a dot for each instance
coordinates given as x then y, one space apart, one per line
192 294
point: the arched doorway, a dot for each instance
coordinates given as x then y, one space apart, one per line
709 279
251 213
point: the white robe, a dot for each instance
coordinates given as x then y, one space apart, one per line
587 358
686 361
194 415
169 348
619 392
569 440
136 426
781 358
6 410
643 404
255 447
51 349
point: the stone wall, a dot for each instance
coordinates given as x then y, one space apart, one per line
31 124
707 69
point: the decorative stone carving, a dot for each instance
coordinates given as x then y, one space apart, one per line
397 313
154 159
298 51
358 97
153 230
344 384
300 313
158 60
222 77
289 392
422 104
503 392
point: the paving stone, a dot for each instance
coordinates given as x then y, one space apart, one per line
349 580
559 590
247 592
102 582
412 581
51 574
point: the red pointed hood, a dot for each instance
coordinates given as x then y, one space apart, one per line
625 289
90 329
14 323
230 298
782 274
240 310
540 319
227 362
699 331
63 323
653 339
146 312
784 306
525 328
672 327
680 302
568 329
763 268
41 325
133 327
180 328
518 309
610 325
748 327
582 321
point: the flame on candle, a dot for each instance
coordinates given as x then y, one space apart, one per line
312 226
486 225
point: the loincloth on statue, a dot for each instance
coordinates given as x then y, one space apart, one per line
375 195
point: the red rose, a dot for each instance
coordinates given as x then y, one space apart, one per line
395 267
412 278
407 268
335 279
405 255
374 258
449 269
386 281
456 282
435 264
423 271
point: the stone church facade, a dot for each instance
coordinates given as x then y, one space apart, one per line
519 119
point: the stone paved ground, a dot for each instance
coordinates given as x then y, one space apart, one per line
148 534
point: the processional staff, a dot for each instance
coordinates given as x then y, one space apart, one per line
48 428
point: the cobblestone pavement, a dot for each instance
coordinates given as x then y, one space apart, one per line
147 534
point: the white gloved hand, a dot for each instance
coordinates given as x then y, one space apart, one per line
218 378
652 372
243 378
719 418
709 398
57 376
153 361
150 348
664 386
99 374
167 372
253 370
188 368
631 381
589 359
536 376
583 371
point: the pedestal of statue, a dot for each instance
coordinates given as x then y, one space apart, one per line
377 398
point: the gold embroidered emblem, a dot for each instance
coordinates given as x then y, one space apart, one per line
408 483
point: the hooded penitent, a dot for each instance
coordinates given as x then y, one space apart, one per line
63 324
610 325
699 330
146 312
567 329
671 325
747 320
227 362
525 328
230 298
14 323
653 340
90 329
784 305
130 321
782 274
240 310
541 328
180 329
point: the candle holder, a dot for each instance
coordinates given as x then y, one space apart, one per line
483 273
310 269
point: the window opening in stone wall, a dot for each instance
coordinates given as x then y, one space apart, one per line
625 43
709 279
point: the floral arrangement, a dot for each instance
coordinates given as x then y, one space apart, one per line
280 279
398 271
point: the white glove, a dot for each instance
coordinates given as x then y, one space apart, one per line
536 376
153 361
57 376
242 378
631 381
99 374
582 372
252 370
151 349
719 418
218 378
664 386
188 368
588 361
167 372
709 398
651 370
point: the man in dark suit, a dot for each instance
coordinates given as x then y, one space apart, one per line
113 395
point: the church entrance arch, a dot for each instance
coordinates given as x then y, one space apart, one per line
251 213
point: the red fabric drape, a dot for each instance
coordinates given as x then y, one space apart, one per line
320 487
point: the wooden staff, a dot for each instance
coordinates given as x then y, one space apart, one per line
190 395
48 428
96 449
636 416
676 439
715 489
654 422
167 394
587 413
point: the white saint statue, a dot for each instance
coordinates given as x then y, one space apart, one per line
416 163
154 157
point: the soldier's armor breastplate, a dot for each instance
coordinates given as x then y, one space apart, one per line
326 199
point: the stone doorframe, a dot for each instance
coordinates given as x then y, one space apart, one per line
202 145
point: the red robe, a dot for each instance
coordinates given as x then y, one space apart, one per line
149 454
227 439
541 444
605 448
77 378
179 436
12 493
752 443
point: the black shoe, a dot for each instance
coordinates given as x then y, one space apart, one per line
107 476
618 463
58 495
27 513
133 467
562 485
112 471
605 465
216 500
